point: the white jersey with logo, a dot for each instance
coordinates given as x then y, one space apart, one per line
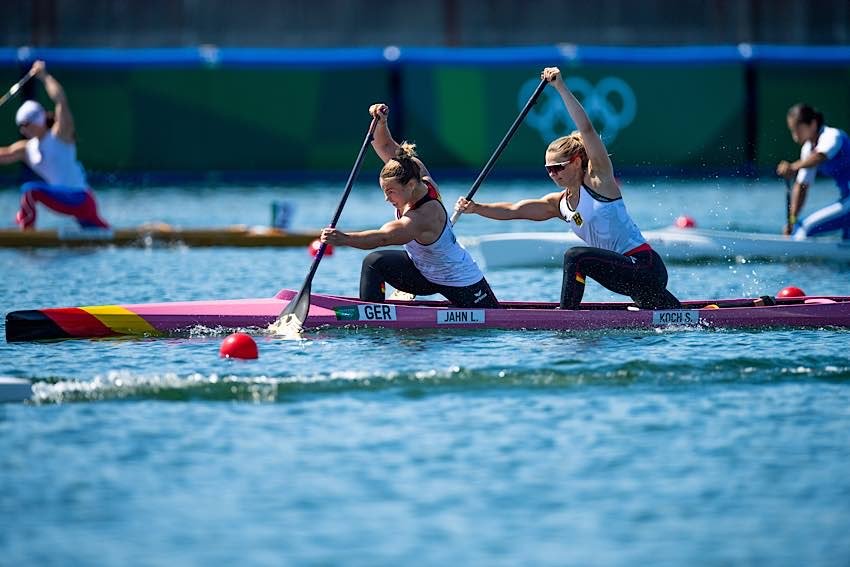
445 261
602 222
55 161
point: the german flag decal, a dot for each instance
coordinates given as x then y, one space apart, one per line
73 322
121 320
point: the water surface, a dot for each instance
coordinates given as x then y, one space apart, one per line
669 446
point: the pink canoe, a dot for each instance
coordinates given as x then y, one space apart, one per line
164 319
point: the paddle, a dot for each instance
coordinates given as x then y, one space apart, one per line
788 218
291 319
405 296
15 88
492 161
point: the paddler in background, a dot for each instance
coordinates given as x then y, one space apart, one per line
825 150
50 151
433 261
589 200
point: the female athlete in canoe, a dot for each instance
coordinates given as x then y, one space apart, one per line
825 150
50 151
432 260
589 200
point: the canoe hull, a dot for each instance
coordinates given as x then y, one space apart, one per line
182 318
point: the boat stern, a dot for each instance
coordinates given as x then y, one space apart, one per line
75 322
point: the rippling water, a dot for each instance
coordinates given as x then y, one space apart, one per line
670 446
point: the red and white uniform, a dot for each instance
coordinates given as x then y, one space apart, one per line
444 261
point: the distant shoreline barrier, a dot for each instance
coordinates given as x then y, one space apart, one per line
693 110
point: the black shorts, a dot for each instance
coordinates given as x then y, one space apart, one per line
397 269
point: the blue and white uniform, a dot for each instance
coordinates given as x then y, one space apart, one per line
835 145
618 256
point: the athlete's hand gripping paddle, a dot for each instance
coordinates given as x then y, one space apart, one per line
291 320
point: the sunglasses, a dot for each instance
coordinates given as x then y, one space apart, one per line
556 167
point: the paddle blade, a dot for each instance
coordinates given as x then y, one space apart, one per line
291 319
287 327
290 322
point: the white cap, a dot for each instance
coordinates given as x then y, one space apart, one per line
31 112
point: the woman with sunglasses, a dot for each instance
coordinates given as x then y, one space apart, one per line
50 150
589 200
433 261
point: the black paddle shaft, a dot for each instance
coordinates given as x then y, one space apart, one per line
492 161
351 177
299 306
788 203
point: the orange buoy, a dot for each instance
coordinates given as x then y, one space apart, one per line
791 291
685 221
711 306
239 345
314 248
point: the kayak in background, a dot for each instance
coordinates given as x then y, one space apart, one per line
156 235
674 244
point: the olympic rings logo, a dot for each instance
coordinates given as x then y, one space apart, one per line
611 106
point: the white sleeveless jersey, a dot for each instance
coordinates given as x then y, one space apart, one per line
602 222
55 161
835 145
444 261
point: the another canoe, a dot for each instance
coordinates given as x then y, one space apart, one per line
533 249
182 318
156 235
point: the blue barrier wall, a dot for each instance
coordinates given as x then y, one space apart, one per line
687 110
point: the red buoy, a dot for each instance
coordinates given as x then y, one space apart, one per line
685 221
791 291
239 345
314 248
